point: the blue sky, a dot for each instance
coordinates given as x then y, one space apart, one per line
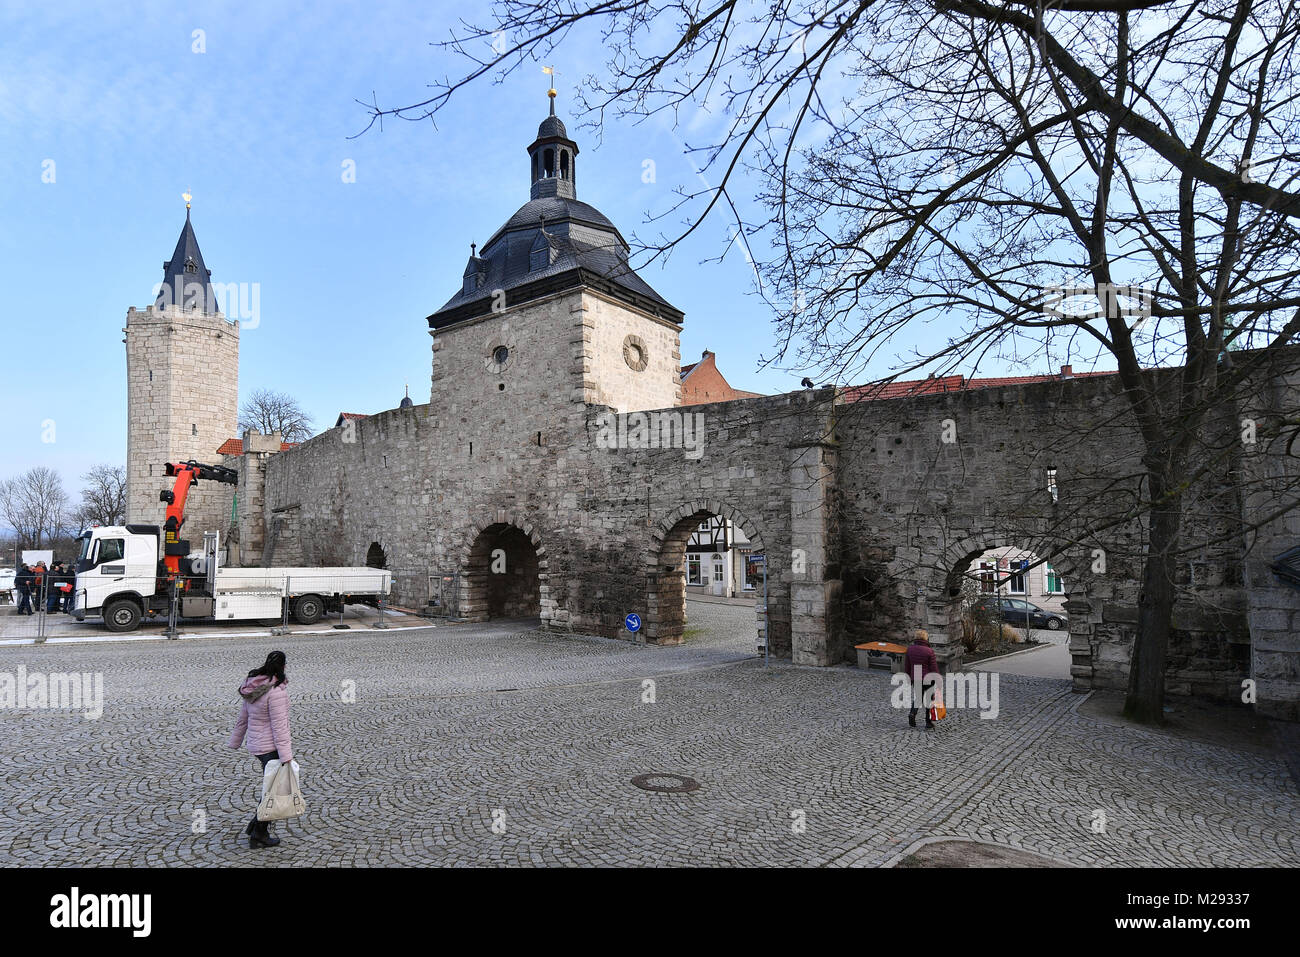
257 127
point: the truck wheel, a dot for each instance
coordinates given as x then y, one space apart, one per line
308 609
122 614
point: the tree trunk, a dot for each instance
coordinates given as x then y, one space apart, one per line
1146 677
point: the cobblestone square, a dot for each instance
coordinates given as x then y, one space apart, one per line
497 745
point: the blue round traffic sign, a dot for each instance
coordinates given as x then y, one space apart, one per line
633 622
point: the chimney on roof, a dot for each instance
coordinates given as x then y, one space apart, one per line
706 354
1067 372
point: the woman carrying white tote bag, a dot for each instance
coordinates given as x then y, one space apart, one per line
264 723
281 799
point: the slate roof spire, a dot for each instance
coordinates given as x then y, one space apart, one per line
553 159
187 282
553 243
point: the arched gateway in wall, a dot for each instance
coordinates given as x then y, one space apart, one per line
665 618
943 607
504 571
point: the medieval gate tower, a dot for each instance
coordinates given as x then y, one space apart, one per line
182 369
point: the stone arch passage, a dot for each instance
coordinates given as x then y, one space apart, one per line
375 556
945 616
503 574
665 617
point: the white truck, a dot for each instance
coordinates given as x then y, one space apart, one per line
120 576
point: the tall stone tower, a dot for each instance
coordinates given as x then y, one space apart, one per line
182 370
550 316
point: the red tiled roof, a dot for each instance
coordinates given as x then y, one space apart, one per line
950 383
686 370
236 447
352 415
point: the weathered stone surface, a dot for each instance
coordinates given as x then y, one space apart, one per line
866 516
182 373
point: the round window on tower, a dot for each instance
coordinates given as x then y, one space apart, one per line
635 353
498 356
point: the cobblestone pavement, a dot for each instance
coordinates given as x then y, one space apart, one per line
1050 660
60 627
471 745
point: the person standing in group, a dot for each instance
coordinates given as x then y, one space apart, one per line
69 582
23 582
40 581
53 593
922 667
264 724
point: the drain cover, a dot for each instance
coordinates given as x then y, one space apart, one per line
667 783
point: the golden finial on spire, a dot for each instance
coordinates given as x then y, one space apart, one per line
550 71
187 197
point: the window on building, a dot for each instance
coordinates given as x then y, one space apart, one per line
1051 484
1017 583
1055 584
988 578
693 570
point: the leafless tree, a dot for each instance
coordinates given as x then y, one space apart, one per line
36 506
103 497
268 411
1105 182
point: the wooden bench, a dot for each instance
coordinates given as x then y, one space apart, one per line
881 654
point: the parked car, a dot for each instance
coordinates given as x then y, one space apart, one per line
1014 611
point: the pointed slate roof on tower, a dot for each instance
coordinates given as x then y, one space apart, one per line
186 280
553 243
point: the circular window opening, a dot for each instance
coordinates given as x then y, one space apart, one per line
635 353
500 354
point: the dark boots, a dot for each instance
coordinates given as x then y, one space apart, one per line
259 834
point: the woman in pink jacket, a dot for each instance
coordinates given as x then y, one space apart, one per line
264 722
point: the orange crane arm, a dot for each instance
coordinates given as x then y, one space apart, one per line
187 475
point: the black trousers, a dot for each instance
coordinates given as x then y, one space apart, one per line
926 683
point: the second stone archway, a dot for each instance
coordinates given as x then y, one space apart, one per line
665 615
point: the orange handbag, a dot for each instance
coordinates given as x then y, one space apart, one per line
938 712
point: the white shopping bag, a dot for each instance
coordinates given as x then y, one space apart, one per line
281 797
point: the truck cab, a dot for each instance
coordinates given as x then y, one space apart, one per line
117 568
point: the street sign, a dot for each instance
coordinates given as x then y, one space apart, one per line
1024 564
633 622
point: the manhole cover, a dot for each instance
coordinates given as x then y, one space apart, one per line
668 783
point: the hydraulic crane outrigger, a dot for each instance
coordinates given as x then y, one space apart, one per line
187 475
